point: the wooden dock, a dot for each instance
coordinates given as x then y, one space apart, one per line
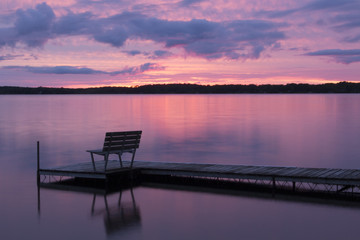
296 178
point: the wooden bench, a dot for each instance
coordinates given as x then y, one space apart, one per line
118 143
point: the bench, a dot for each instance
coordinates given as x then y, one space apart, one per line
118 143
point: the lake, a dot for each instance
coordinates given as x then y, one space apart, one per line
302 130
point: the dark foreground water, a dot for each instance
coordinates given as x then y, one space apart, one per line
280 130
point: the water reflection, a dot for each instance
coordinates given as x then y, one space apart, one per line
258 191
283 130
181 212
120 216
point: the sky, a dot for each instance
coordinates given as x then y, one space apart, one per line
93 43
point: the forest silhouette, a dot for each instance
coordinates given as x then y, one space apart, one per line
341 87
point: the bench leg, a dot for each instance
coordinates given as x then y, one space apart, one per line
132 159
93 162
120 160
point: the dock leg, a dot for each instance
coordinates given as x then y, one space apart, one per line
274 187
294 186
274 183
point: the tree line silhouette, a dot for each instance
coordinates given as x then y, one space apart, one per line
341 87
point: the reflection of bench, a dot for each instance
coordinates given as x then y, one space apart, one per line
118 143
122 216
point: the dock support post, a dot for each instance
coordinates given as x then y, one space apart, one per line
274 183
294 186
273 187
38 163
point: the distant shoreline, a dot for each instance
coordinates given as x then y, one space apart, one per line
341 87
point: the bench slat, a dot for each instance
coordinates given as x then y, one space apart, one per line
122 148
122 138
118 141
123 133
124 141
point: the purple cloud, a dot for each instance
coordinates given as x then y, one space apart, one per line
86 71
189 3
157 54
341 15
75 24
56 70
342 5
316 5
161 54
9 57
33 26
115 37
137 70
232 39
133 52
348 22
211 40
339 55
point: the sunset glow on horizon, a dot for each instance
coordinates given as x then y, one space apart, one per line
91 43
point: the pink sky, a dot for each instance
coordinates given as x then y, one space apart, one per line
85 43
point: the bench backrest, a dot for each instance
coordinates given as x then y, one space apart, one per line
121 141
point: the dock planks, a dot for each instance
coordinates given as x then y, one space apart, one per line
295 174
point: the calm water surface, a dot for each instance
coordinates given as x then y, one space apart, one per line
281 130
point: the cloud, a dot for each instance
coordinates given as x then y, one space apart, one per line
202 38
240 39
315 5
133 52
115 37
342 5
137 70
341 15
339 55
90 2
72 23
276 13
157 54
9 57
189 3
32 26
56 70
161 54
348 22
86 71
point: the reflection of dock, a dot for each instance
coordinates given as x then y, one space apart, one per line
257 192
335 181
